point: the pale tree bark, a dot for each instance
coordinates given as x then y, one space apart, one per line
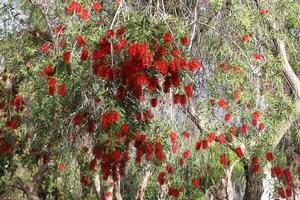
118 190
97 186
294 83
143 184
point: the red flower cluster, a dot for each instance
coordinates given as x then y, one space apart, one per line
76 7
245 37
196 182
174 192
255 167
45 48
239 152
223 160
97 6
109 118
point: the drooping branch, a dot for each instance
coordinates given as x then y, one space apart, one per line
294 84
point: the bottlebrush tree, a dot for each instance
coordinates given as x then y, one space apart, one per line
92 89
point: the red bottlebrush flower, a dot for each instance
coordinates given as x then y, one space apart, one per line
51 91
261 126
198 144
188 89
175 53
77 119
120 31
110 33
254 122
5 148
245 38
269 156
58 28
61 90
45 48
159 154
162 50
84 15
167 37
264 11
184 41
182 99
205 144
281 192
47 70
66 57
221 138
97 6
174 192
148 115
116 156
256 115
276 171
97 100
138 116
161 178
161 67
211 102
257 56
74 7
243 128
84 55
51 81
124 128
18 101
227 117
288 176
154 102
90 127
298 170
255 160
107 195
109 118
80 40
186 154
223 160
223 67
196 182
169 169
174 147
211 136
255 168
61 166
289 192
186 134
173 137
122 42
85 180
239 152
194 64
222 103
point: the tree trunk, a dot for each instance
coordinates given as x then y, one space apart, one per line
142 187
33 187
97 187
118 190
254 188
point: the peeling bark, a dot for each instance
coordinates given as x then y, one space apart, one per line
143 185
